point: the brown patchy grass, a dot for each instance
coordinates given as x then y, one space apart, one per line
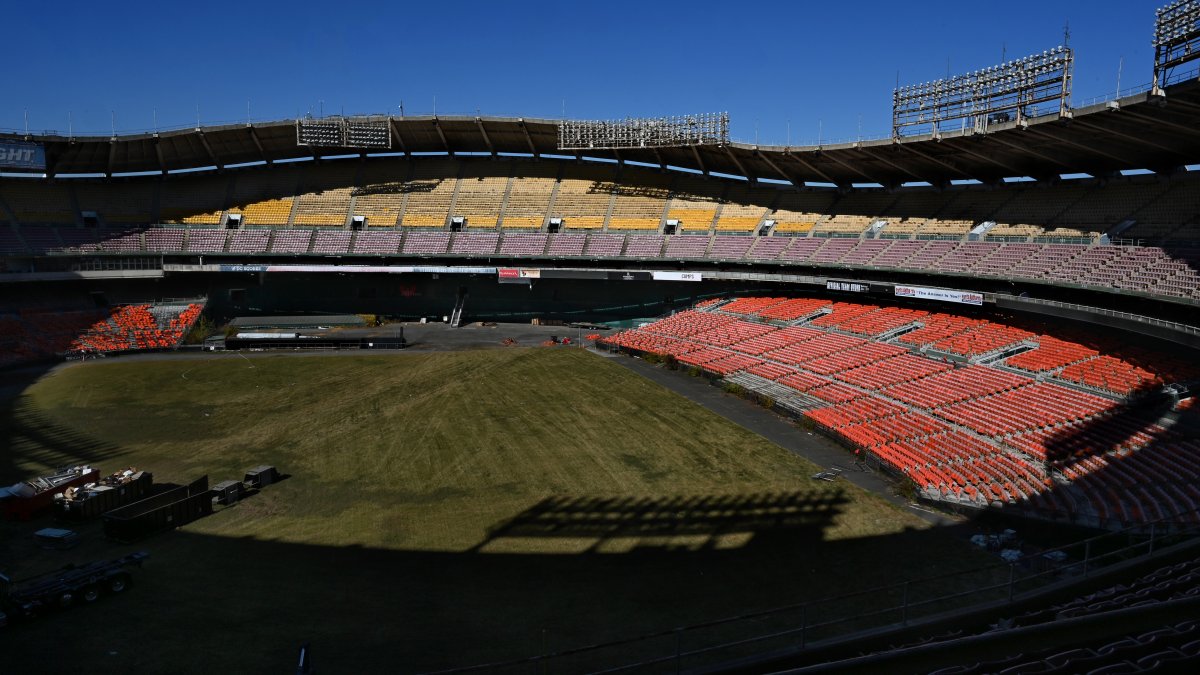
408 536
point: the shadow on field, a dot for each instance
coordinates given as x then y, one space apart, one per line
207 603
802 516
27 434
37 439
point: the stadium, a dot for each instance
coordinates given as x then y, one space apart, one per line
921 403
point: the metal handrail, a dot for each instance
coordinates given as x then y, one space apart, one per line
1173 325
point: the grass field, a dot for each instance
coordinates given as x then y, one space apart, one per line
443 509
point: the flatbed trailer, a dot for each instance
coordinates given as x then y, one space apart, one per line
67 586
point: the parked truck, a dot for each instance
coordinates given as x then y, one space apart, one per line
67 586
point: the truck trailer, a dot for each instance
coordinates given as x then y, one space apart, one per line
67 586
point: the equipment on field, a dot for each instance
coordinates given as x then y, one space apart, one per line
65 587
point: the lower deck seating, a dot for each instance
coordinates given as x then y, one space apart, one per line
41 333
135 327
974 435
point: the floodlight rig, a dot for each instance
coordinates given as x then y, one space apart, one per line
1176 39
344 132
633 133
1011 91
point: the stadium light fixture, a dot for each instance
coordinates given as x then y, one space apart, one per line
1007 92
656 132
1176 38
344 132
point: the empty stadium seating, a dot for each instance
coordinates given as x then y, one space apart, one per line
973 435
583 198
30 334
134 327
730 247
474 243
605 245
1143 270
331 242
249 241
207 241
644 246
529 198
686 246
532 245
380 196
1043 235
1051 354
480 196
386 242
425 243
566 245
638 202
165 239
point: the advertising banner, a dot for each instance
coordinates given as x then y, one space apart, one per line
573 274
676 276
848 286
20 155
363 269
940 294
629 276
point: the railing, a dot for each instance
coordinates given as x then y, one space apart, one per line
1173 325
117 263
793 628
1176 78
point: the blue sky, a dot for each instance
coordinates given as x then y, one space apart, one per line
810 66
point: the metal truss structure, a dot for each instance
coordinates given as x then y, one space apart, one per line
344 132
657 132
1010 92
1176 38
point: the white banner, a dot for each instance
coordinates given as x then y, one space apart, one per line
676 276
940 294
848 286
360 269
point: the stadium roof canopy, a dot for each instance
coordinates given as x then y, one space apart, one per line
1137 132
